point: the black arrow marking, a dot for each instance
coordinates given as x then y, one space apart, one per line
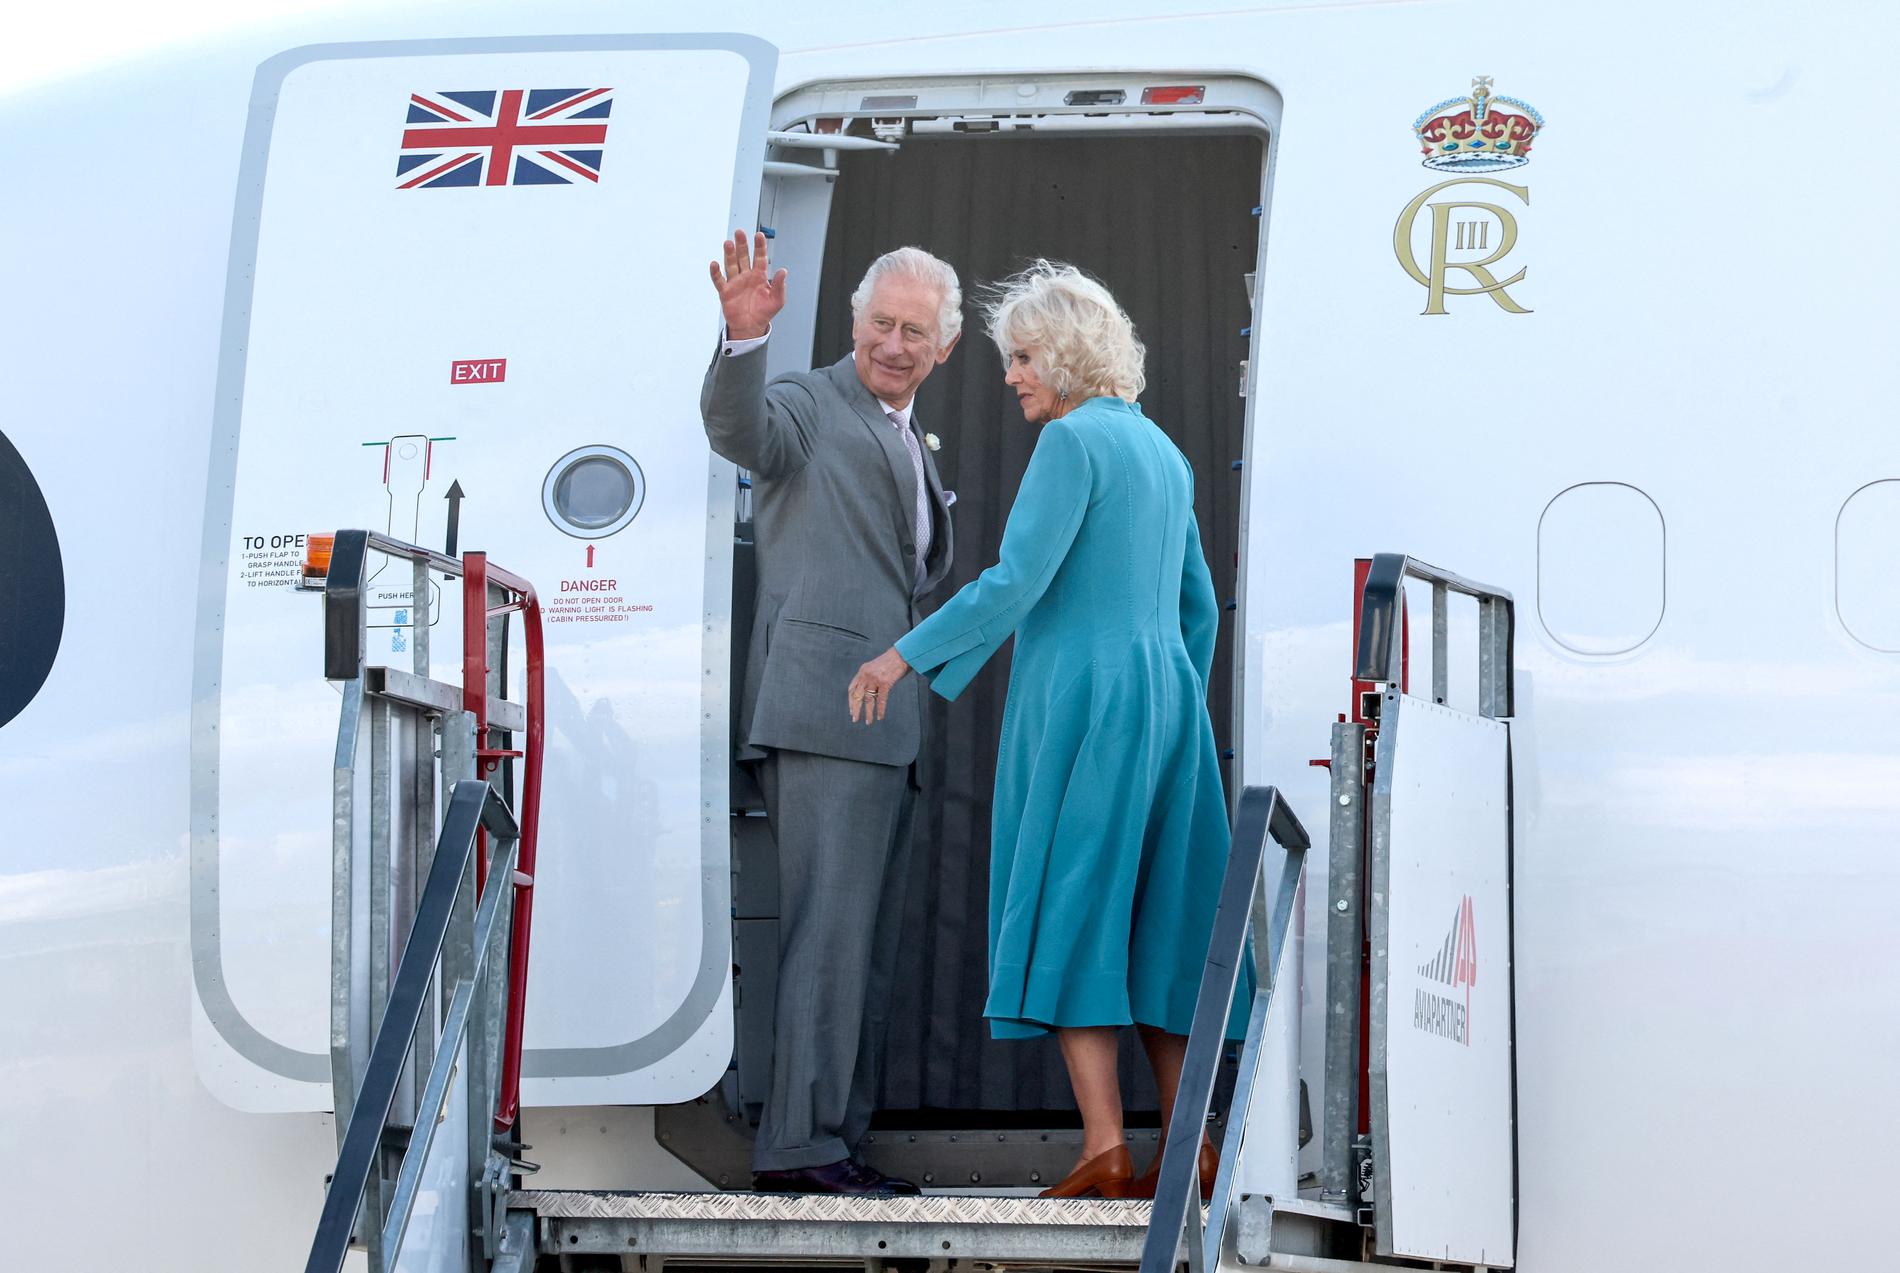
454 497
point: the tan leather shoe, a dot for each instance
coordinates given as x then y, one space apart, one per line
1143 1186
1103 1176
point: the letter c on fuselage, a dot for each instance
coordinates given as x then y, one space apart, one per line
32 585
1437 289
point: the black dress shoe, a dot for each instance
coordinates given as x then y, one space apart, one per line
841 1177
884 1183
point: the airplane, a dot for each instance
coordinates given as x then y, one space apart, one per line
1624 997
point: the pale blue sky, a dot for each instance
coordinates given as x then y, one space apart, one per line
46 41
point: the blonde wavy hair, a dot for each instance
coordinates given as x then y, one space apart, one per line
1079 341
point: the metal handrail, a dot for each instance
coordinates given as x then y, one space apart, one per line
455 1029
481 574
473 806
345 627
1381 653
1262 815
343 608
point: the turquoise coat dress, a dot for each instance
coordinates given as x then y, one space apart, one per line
1109 835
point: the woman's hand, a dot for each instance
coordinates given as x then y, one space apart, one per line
871 687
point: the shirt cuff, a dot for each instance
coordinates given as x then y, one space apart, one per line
733 348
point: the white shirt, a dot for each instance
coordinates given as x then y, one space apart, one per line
731 348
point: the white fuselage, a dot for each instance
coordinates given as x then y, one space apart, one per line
1662 446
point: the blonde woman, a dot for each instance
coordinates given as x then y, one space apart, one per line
1110 824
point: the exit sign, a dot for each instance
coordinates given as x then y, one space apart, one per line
478 371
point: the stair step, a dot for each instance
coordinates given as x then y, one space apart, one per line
765 1225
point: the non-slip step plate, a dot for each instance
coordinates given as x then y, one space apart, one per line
782 1208
1027 1231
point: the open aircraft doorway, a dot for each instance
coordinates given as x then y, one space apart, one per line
1157 186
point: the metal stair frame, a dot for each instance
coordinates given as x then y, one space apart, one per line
1242 920
456 940
444 1033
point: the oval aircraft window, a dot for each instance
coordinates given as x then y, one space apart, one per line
1601 568
1866 564
32 585
594 491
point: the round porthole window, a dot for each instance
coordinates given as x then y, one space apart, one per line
593 492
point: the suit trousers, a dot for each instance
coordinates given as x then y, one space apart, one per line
842 828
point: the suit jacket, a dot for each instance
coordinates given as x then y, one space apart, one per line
833 510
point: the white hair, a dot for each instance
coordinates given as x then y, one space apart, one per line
1080 342
917 264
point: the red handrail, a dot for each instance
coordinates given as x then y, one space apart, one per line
476 611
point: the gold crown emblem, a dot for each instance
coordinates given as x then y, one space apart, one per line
1479 133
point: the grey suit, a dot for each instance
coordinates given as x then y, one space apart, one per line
833 515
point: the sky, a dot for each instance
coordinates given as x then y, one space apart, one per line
43 42
46 41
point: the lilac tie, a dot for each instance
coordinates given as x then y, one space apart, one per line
923 499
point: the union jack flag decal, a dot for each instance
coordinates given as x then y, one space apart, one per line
506 137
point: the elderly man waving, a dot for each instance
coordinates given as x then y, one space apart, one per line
852 527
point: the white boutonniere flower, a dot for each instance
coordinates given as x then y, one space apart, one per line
931 440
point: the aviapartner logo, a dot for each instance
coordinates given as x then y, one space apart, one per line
1455 965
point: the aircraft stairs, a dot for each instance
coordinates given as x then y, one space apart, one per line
433 1043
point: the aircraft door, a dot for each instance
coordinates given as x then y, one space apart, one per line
467 297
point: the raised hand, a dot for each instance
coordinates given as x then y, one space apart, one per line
749 292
